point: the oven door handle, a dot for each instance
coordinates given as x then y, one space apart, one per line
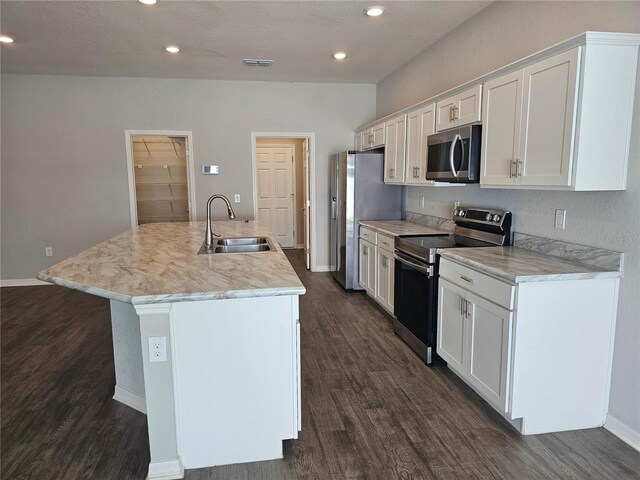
421 268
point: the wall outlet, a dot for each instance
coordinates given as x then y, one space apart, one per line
236 198
561 217
421 201
157 349
48 251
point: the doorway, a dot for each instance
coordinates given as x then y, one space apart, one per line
283 188
160 170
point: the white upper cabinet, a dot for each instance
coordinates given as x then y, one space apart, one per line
460 109
563 122
372 137
394 161
420 124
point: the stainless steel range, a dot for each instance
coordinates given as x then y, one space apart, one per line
416 272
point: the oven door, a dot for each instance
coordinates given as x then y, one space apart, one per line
415 304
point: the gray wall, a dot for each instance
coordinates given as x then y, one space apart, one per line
498 35
64 172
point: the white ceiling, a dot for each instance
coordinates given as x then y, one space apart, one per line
126 38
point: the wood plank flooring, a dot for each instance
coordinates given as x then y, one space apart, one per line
370 408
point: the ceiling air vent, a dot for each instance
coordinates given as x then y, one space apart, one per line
254 62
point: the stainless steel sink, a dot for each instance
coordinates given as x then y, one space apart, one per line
238 245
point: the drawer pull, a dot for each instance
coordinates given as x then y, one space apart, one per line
385 243
466 279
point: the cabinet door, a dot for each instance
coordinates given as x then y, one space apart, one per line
367 267
420 124
395 132
384 283
548 120
489 330
460 109
451 326
444 114
501 129
468 106
378 135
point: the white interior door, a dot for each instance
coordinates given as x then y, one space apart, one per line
307 203
274 175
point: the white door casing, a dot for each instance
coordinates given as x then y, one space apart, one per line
129 134
306 202
274 176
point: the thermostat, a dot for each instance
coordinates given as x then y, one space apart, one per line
210 170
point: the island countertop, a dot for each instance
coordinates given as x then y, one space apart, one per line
156 263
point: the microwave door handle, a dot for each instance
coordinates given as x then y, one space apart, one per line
453 148
461 154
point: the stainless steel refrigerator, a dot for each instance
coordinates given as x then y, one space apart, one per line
357 193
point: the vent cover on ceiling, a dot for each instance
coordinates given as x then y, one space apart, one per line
254 62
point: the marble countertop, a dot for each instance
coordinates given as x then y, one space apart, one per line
397 228
518 265
159 262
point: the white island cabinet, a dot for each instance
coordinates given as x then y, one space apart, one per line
208 346
531 334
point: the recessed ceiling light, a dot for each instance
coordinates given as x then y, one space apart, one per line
172 49
339 55
148 2
374 11
5 39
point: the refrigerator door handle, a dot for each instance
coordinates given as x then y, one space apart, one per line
334 208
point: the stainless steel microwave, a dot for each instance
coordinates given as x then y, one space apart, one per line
454 155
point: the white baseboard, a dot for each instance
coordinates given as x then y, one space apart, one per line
166 470
623 432
130 399
322 268
22 282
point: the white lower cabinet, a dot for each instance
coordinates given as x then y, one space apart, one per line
384 279
367 266
474 339
539 352
377 266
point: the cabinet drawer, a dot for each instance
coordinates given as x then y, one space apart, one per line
494 290
368 234
385 242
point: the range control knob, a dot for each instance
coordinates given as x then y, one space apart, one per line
455 212
497 218
462 212
489 217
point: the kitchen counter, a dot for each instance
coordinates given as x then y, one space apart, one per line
518 265
160 263
191 332
396 228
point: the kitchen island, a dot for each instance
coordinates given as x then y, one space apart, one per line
206 345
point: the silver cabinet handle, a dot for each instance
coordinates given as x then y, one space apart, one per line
461 309
466 279
334 208
451 113
510 168
365 250
468 310
385 262
392 172
518 168
385 243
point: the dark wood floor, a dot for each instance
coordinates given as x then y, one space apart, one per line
371 409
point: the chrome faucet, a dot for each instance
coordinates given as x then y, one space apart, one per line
208 238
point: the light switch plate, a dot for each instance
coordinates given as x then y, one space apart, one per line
561 218
210 169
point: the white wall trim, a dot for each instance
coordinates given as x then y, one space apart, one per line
130 399
311 136
22 282
170 470
623 432
322 268
191 182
